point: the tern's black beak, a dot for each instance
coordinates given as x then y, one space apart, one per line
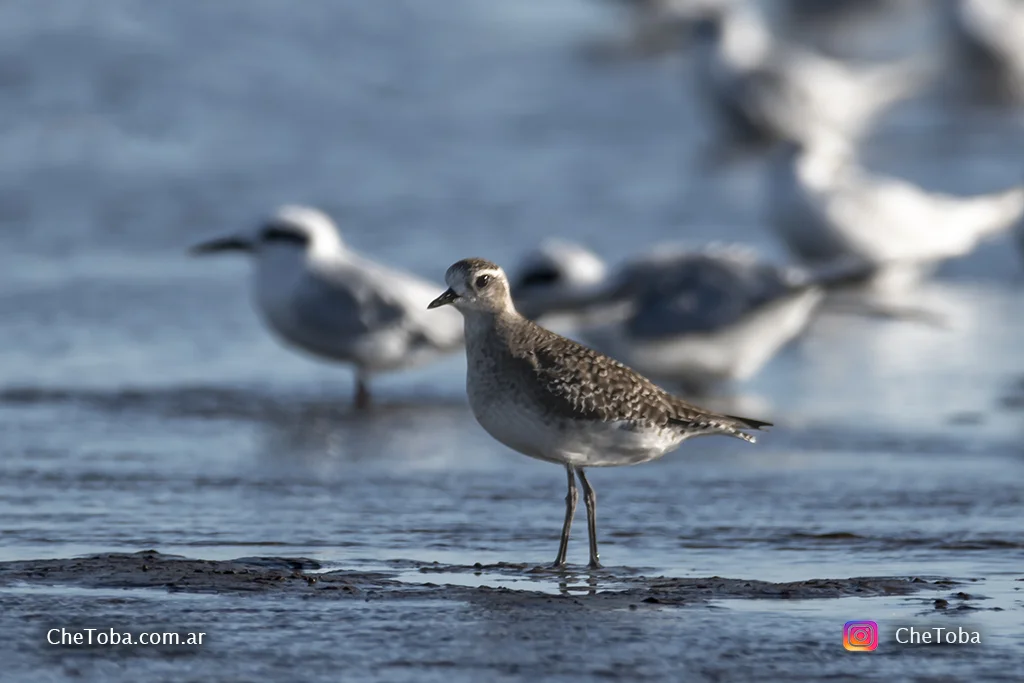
449 296
232 243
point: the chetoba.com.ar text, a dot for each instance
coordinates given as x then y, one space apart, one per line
112 636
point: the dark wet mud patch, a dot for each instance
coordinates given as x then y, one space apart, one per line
302 577
958 602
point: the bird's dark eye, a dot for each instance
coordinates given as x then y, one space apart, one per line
483 281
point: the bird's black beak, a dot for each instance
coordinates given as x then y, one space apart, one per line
449 296
232 243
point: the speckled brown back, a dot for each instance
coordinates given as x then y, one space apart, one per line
572 381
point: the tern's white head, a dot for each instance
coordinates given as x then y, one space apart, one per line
555 276
290 228
737 32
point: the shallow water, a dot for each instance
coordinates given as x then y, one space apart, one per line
142 405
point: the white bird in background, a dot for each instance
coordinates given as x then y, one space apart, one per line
988 40
323 298
760 91
696 318
825 207
559 279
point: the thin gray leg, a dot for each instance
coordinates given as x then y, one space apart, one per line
362 399
570 510
590 500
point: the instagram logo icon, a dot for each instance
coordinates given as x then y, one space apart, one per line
860 635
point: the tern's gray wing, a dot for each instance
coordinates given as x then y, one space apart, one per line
703 293
343 307
385 301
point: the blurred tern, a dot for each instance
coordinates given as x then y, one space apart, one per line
759 91
988 38
323 298
559 279
697 318
826 207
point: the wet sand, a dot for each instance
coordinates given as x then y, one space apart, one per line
280 618
284 576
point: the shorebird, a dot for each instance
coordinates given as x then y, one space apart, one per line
987 40
824 206
553 399
760 91
560 277
320 297
692 317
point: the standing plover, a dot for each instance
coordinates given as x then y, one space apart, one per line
324 299
553 399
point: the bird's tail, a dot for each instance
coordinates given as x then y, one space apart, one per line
841 272
993 214
894 82
855 273
738 426
698 421
886 85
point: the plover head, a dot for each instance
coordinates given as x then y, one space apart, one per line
290 227
475 284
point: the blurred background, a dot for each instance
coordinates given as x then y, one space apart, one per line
143 403
135 130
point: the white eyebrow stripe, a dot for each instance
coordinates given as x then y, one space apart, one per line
488 271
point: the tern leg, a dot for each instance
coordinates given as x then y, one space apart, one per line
570 510
362 399
590 500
